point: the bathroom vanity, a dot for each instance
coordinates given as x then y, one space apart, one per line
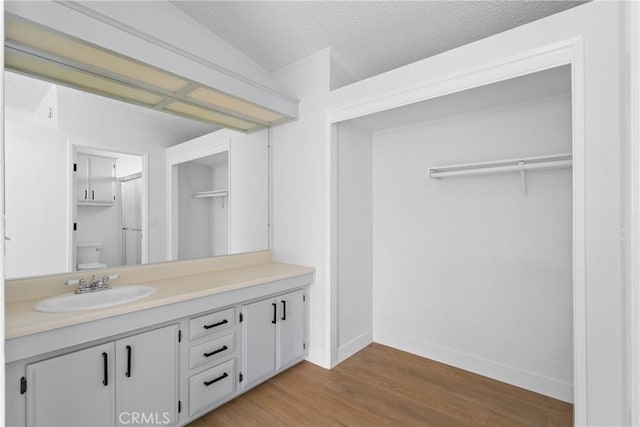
212 330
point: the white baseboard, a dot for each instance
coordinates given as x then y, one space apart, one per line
318 357
528 380
347 350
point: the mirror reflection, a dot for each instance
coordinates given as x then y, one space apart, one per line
203 215
89 186
109 199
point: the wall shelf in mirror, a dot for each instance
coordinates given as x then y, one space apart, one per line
210 194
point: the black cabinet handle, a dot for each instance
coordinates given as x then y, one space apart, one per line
215 324
128 373
275 308
93 195
223 348
221 377
284 310
105 361
85 194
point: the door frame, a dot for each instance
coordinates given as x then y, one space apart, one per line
633 194
566 52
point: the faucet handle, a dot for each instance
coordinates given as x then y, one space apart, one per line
74 282
82 288
105 280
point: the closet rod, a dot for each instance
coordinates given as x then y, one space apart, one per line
557 161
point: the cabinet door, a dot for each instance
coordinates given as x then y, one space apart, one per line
259 340
82 178
147 377
291 330
75 389
102 173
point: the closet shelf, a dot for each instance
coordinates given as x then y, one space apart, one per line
210 194
556 161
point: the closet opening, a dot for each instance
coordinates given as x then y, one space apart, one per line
453 225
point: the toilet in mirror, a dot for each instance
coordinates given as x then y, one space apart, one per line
88 256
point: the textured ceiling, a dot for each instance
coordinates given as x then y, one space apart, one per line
368 37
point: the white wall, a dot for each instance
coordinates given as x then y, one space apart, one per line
194 216
128 165
355 239
249 192
35 200
300 190
467 271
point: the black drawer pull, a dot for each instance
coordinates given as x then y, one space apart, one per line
223 348
284 310
128 373
105 381
275 308
220 378
93 195
215 324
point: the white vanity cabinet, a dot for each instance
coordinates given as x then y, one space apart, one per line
273 332
146 376
95 179
107 384
164 365
212 359
75 389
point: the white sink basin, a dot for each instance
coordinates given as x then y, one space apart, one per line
92 300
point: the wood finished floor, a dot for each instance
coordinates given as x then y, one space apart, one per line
381 386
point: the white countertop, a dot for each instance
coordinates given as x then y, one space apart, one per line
21 319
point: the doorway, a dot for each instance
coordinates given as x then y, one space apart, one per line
109 208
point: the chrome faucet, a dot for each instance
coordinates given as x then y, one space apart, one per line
93 285
99 285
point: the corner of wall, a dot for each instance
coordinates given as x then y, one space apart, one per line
300 190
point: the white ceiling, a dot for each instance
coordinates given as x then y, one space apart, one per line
368 37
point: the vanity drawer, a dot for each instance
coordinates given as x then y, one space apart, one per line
212 350
211 386
211 323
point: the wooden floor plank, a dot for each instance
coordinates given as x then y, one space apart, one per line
382 386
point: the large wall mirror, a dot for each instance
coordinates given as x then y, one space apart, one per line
94 183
